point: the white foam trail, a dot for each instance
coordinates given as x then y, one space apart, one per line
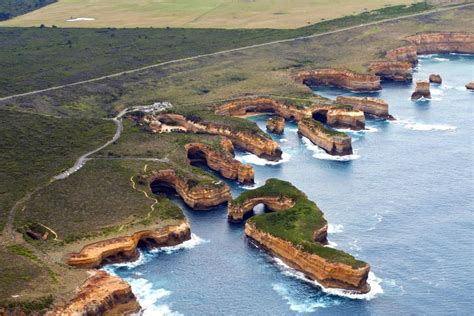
307 305
418 126
255 160
188 244
323 155
80 19
283 140
374 282
437 91
335 229
441 59
331 244
368 129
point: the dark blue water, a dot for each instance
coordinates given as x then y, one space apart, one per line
403 202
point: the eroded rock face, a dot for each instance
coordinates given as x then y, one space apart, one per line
332 275
422 90
258 144
435 78
237 212
392 70
198 196
406 53
101 294
341 118
338 144
371 106
470 86
443 42
124 249
276 125
221 161
340 78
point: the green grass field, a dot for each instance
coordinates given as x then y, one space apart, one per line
196 14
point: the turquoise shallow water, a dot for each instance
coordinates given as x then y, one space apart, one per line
403 202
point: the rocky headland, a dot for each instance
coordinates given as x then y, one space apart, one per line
345 118
443 43
101 294
333 142
222 160
392 70
276 125
124 249
371 106
301 243
340 78
422 90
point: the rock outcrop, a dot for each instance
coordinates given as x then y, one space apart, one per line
443 42
422 90
220 160
297 234
340 78
276 125
343 118
434 78
333 142
406 53
123 249
101 294
392 70
470 86
196 194
252 141
371 106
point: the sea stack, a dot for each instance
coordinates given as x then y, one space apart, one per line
470 85
276 125
422 90
435 78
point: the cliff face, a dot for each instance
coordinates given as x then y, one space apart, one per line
263 105
276 125
221 161
406 53
443 42
392 70
434 78
196 196
255 143
332 275
372 106
122 249
422 90
101 294
334 144
237 212
340 78
340 118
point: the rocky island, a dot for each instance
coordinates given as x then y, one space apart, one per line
422 90
296 232
276 125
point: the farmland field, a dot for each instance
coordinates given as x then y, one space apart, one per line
195 14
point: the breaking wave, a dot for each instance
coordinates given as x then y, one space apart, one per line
255 160
188 244
303 304
323 155
335 229
417 126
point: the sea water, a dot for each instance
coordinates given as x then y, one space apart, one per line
403 202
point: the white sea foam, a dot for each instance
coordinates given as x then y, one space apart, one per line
331 244
441 59
80 19
437 91
461 88
368 129
419 126
283 140
322 155
255 160
142 259
306 305
335 229
355 246
374 282
188 244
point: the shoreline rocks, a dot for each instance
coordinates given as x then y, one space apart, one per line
435 78
333 142
276 125
340 78
422 90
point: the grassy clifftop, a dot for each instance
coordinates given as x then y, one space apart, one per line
12 8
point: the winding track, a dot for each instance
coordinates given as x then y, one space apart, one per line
233 50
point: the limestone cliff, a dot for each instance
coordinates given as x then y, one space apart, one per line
435 78
122 249
256 143
101 294
276 125
334 143
197 195
236 212
340 78
422 90
343 118
371 106
443 42
405 53
392 70
220 160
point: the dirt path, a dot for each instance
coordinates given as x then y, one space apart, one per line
233 50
